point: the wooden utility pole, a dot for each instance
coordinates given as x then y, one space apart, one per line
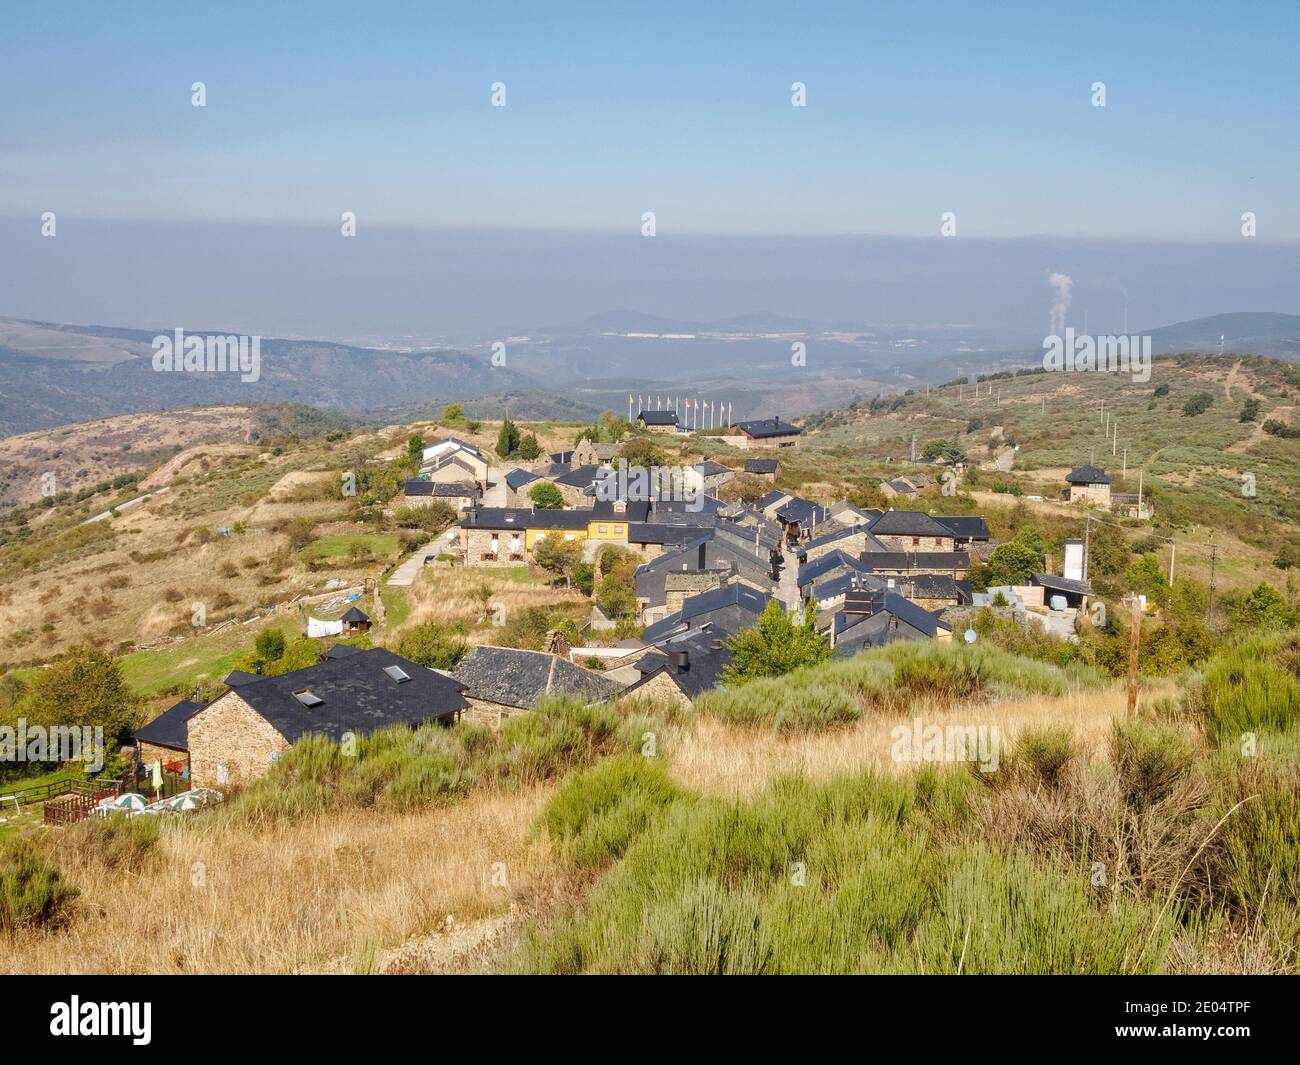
1173 550
1135 636
1124 475
1209 607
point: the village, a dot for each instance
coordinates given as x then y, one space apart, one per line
708 565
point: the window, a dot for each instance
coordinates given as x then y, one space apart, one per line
604 530
397 673
916 541
308 698
568 536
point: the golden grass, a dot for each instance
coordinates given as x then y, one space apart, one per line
450 596
311 895
720 759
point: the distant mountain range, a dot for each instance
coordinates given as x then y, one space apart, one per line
54 374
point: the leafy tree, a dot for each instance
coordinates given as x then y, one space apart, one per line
613 427
642 452
546 496
83 687
299 654
1013 563
584 577
943 451
615 597
507 439
744 487
433 645
452 414
434 518
269 644
415 448
529 448
557 555
775 646
1264 605
1108 551
1250 410
1146 577
1198 403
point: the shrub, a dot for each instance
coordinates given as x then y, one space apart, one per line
1248 687
33 893
1043 753
1149 760
122 843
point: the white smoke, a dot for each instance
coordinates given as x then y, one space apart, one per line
1063 284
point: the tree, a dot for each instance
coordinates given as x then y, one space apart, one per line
269 644
300 654
615 597
775 646
1198 403
546 496
945 451
1250 410
1108 551
1146 577
529 448
1264 605
1013 563
557 555
452 414
83 687
642 452
415 448
507 439
433 645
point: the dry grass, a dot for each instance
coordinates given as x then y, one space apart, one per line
450 596
720 759
334 891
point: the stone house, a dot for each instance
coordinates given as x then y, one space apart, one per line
764 432
658 421
460 495
502 682
1088 484
587 453
911 530
236 738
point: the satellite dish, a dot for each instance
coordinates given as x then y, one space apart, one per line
971 636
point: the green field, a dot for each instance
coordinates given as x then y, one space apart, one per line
180 665
374 545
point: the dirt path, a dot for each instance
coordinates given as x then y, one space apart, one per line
1281 414
459 948
1231 378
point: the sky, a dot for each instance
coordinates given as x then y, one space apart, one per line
613 110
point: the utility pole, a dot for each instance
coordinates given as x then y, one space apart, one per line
1173 550
1087 542
913 447
1209 608
1134 637
1114 440
1124 475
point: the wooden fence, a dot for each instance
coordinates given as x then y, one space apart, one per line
81 796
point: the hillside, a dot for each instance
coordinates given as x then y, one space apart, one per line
1259 332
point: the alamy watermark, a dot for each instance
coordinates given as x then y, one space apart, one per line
1102 354
919 742
57 743
179 353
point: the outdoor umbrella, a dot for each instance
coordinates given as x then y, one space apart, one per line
182 803
130 801
157 777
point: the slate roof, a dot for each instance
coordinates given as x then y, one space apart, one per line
357 696
768 498
503 518
581 477
355 615
239 677
872 544
802 512
517 478
169 729
561 458
512 677
720 552
657 417
907 523
911 560
704 663
709 468
761 465
441 489
765 427
637 510
827 564
1087 475
725 610
1061 584
964 528
902 486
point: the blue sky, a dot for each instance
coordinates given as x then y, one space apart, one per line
616 109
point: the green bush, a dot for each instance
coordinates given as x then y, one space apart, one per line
33 893
1249 687
1042 754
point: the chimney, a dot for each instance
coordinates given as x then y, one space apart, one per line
716 645
700 563
682 660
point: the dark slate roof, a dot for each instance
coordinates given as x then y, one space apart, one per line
357 696
709 468
768 498
517 478
842 582
441 489
238 678
654 533
1087 475
636 510
935 586
169 729
342 650
827 564
902 486
964 528
761 465
725 610
657 417
704 663
561 458
1061 584
354 615
721 554
525 518
802 512
520 679
904 609
872 544
764 427
875 631
910 560
907 523
581 477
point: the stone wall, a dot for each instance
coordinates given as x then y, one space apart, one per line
148 753
928 543
660 686
478 542
680 586
231 733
